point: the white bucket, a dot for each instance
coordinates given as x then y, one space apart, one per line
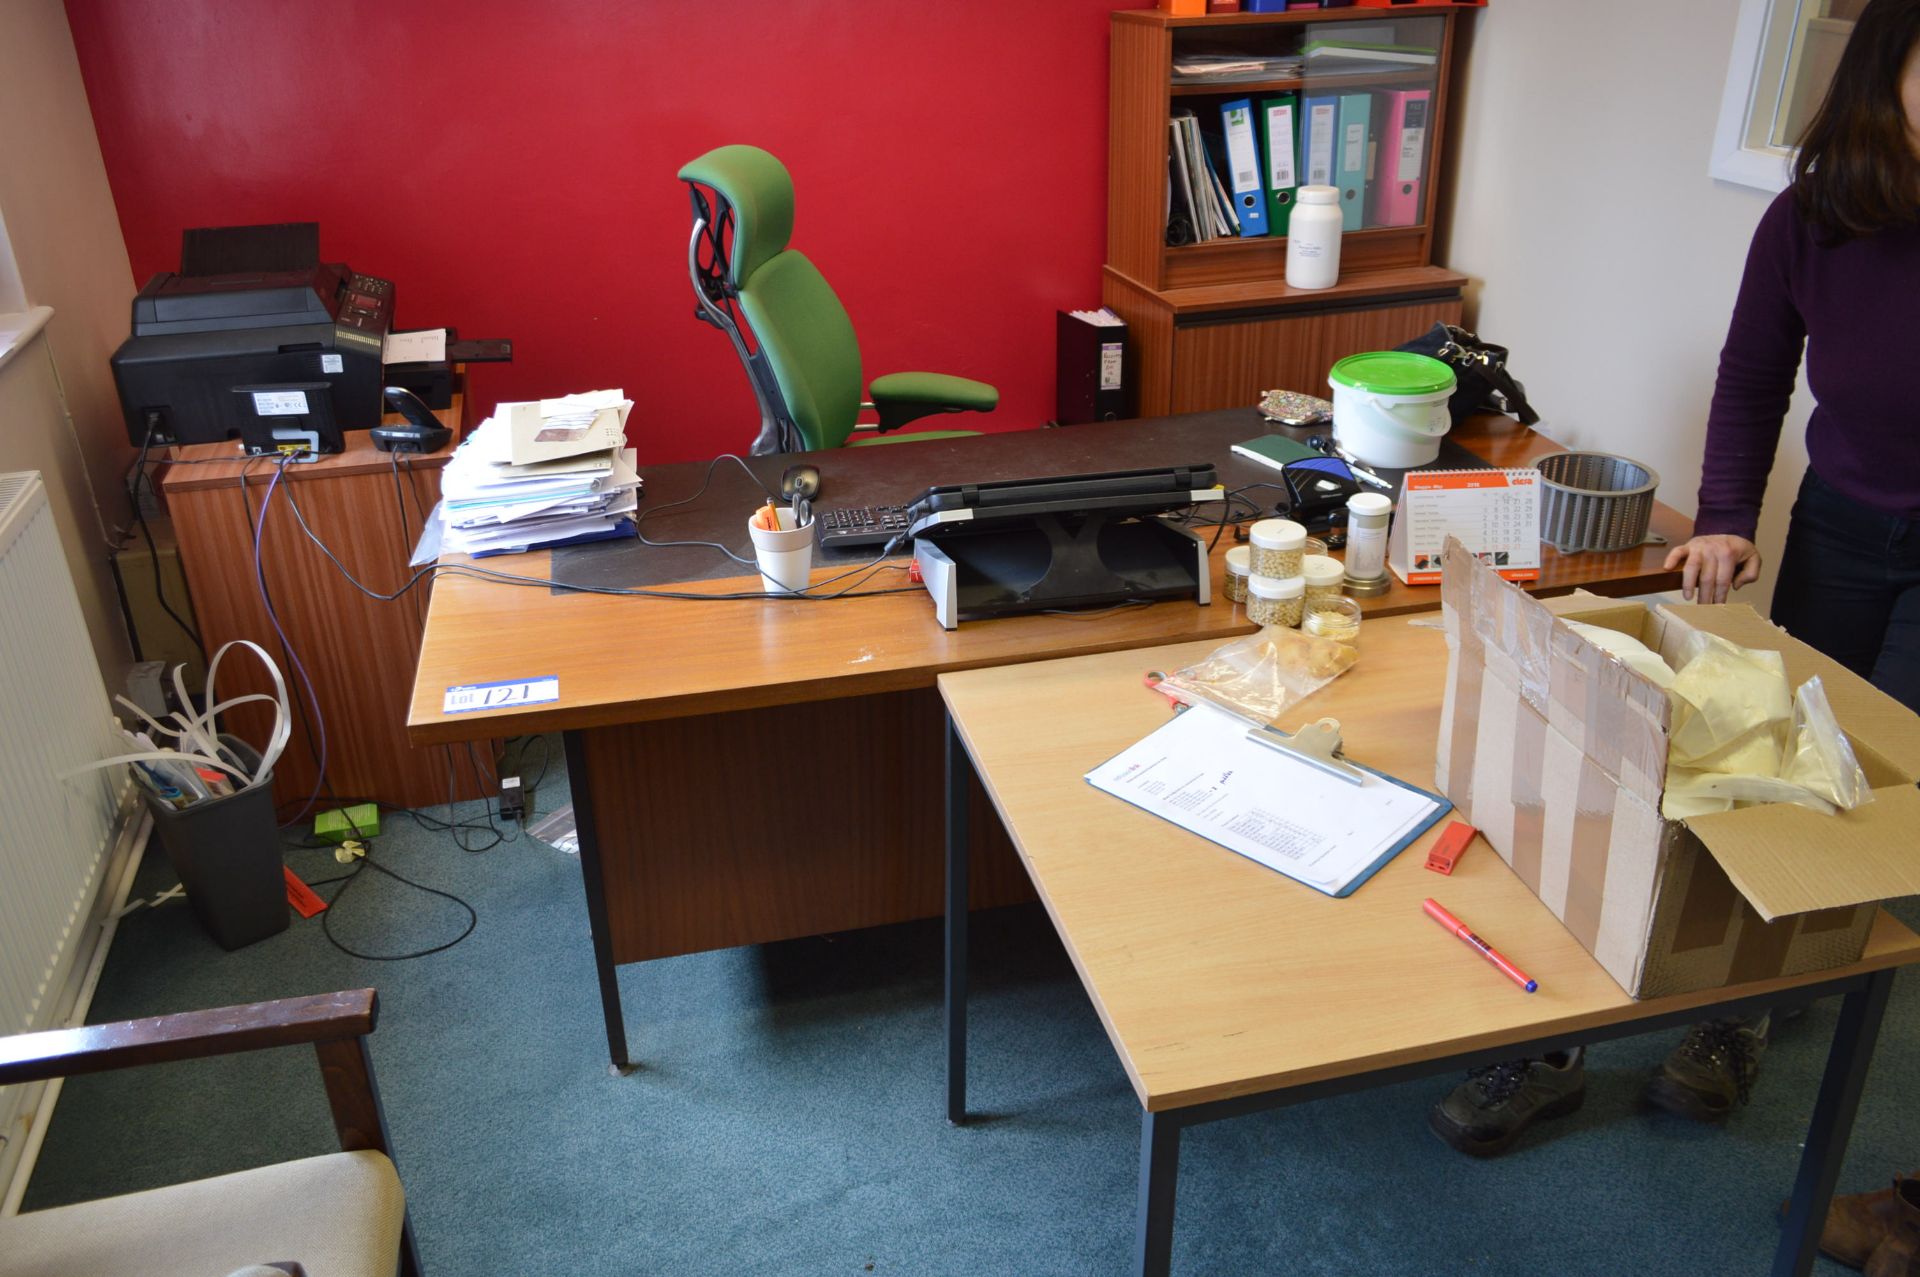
1397 431
1390 407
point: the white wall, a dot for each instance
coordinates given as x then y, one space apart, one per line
60 414
1604 255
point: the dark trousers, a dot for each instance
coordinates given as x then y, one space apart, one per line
1849 586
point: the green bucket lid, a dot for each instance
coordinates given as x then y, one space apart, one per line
1393 372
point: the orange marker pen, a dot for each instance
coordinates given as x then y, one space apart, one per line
1438 913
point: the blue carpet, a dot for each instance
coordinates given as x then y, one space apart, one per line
787 1115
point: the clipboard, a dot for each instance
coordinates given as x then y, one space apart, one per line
1202 772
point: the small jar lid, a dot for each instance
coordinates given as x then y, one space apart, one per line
1317 195
1278 587
1239 560
1318 569
1367 503
1278 534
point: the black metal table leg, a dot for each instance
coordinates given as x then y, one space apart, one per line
1832 1122
959 770
592 871
1159 1173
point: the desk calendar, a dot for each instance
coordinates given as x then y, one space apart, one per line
1495 514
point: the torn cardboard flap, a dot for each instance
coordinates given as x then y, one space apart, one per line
1787 859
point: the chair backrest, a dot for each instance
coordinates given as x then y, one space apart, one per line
806 369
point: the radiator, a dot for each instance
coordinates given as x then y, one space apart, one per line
56 836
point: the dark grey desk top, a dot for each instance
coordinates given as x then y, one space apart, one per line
893 474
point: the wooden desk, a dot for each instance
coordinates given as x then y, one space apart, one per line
359 651
692 727
1226 988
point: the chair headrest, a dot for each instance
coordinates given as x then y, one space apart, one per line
761 193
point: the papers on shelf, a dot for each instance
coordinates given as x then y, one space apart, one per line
1355 58
489 504
425 346
1231 67
1200 772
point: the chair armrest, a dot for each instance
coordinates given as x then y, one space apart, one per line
901 397
99 1048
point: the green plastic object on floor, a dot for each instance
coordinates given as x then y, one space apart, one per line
805 365
342 823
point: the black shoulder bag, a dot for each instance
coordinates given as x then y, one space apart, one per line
1485 385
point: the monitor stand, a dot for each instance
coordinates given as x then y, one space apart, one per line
1059 561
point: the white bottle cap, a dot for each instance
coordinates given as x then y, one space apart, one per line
1317 195
1278 587
1318 569
1239 560
1368 503
1278 534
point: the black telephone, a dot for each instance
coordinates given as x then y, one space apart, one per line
423 431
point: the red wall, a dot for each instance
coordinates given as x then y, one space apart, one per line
511 167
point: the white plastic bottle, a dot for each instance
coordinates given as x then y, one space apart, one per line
1313 238
1368 516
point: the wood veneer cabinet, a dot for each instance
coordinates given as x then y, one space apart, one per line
1215 324
359 651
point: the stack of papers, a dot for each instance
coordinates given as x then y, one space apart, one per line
1336 56
1228 68
534 475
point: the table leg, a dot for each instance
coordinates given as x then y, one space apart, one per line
959 771
1159 1172
592 870
1833 1111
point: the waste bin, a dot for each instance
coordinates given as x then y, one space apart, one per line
227 853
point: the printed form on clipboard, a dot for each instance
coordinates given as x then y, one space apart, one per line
1201 772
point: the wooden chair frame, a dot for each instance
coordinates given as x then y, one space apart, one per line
337 1024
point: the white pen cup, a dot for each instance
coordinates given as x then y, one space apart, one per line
785 557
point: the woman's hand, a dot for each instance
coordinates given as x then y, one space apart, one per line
1712 566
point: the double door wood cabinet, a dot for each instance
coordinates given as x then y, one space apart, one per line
1214 324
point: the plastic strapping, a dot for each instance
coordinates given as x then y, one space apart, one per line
201 731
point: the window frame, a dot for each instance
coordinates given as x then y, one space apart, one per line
1757 68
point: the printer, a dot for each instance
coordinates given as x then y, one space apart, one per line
255 337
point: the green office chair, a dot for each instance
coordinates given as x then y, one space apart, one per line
806 372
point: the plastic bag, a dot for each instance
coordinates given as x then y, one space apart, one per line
1750 755
1732 710
1822 759
1261 676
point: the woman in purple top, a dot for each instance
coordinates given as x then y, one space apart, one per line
1835 264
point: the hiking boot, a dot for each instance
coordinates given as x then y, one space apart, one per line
1485 1114
1712 1072
1899 1254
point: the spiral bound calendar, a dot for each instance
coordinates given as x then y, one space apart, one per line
1495 514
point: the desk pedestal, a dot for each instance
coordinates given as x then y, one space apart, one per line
768 824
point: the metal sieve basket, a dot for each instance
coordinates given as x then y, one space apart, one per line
1595 501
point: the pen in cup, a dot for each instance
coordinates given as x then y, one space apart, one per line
1439 914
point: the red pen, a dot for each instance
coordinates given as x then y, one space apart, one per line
1439 914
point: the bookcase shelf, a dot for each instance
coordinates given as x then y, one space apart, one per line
1328 83
1188 356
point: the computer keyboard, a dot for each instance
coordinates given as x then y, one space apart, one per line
860 526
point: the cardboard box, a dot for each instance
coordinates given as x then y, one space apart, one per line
1558 753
